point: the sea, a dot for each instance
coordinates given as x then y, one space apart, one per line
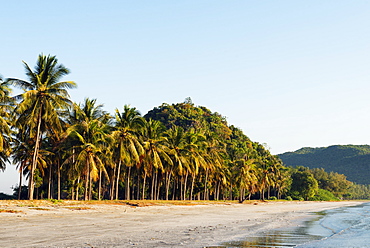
341 227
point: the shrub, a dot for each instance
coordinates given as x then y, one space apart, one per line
323 195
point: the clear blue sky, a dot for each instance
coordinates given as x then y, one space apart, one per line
288 73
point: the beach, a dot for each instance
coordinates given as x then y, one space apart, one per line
195 224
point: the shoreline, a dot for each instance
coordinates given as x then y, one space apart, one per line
195 224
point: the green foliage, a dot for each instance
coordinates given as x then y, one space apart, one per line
323 195
334 182
273 198
187 116
54 201
304 185
350 160
357 191
289 198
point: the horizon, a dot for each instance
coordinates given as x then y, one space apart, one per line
288 74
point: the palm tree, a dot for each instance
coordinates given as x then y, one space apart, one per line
6 103
196 147
126 131
176 142
266 170
213 156
90 132
43 97
156 152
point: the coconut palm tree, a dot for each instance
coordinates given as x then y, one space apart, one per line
44 95
156 153
90 134
196 147
127 126
6 103
176 143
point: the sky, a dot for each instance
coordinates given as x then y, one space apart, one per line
290 74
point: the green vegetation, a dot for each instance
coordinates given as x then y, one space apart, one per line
343 161
350 160
323 195
175 152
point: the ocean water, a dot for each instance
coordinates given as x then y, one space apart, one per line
341 227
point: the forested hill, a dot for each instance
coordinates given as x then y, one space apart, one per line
350 160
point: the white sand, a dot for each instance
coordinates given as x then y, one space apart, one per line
111 225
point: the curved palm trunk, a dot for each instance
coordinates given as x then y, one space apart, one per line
34 159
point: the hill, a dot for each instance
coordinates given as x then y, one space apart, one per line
350 160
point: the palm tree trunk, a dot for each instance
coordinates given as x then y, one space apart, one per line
77 188
168 183
99 193
152 193
158 187
87 181
34 159
218 190
231 192
185 183
181 186
205 186
73 189
117 179
111 192
192 187
138 186
58 179
20 182
143 195
174 189
151 187
90 186
49 182
128 183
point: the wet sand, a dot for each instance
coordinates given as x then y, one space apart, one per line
76 224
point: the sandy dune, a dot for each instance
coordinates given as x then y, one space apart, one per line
74 224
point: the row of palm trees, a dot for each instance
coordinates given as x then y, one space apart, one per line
80 151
